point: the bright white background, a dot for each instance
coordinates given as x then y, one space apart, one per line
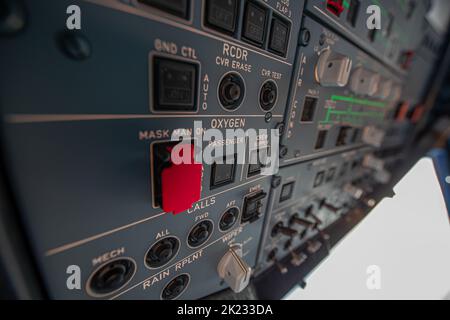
408 237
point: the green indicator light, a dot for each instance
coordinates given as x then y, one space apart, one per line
350 116
346 4
327 119
359 101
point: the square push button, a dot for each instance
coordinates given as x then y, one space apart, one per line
222 14
286 191
174 85
258 159
330 174
255 21
320 176
279 36
178 8
222 174
252 207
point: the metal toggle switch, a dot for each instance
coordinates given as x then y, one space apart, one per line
355 192
233 270
314 246
364 82
295 219
279 228
280 267
324 204
298 258
384 89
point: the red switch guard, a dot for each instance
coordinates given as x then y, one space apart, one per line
181 185
335 6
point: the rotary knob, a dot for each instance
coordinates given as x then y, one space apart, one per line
234 270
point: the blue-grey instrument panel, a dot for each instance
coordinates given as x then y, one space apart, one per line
86 114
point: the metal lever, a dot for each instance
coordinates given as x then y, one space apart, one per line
317 220
281 268
355 192
302 222
279 228
325 237
324 204
298 259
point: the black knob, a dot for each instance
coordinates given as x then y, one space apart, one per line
228 219
162 252
268 95
111 277
231 91
175 287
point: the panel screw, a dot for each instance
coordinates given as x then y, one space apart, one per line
12 16
322 39
75 45
276 181
280 127
371 203
268 117
283 151
305 36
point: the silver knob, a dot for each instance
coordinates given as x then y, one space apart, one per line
373 136
233 270
333 69
364 82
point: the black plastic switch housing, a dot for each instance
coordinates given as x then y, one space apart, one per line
222 174
318 180
179 8
222 14
279 36
252 207
286 191
255 21
174 85
309 109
